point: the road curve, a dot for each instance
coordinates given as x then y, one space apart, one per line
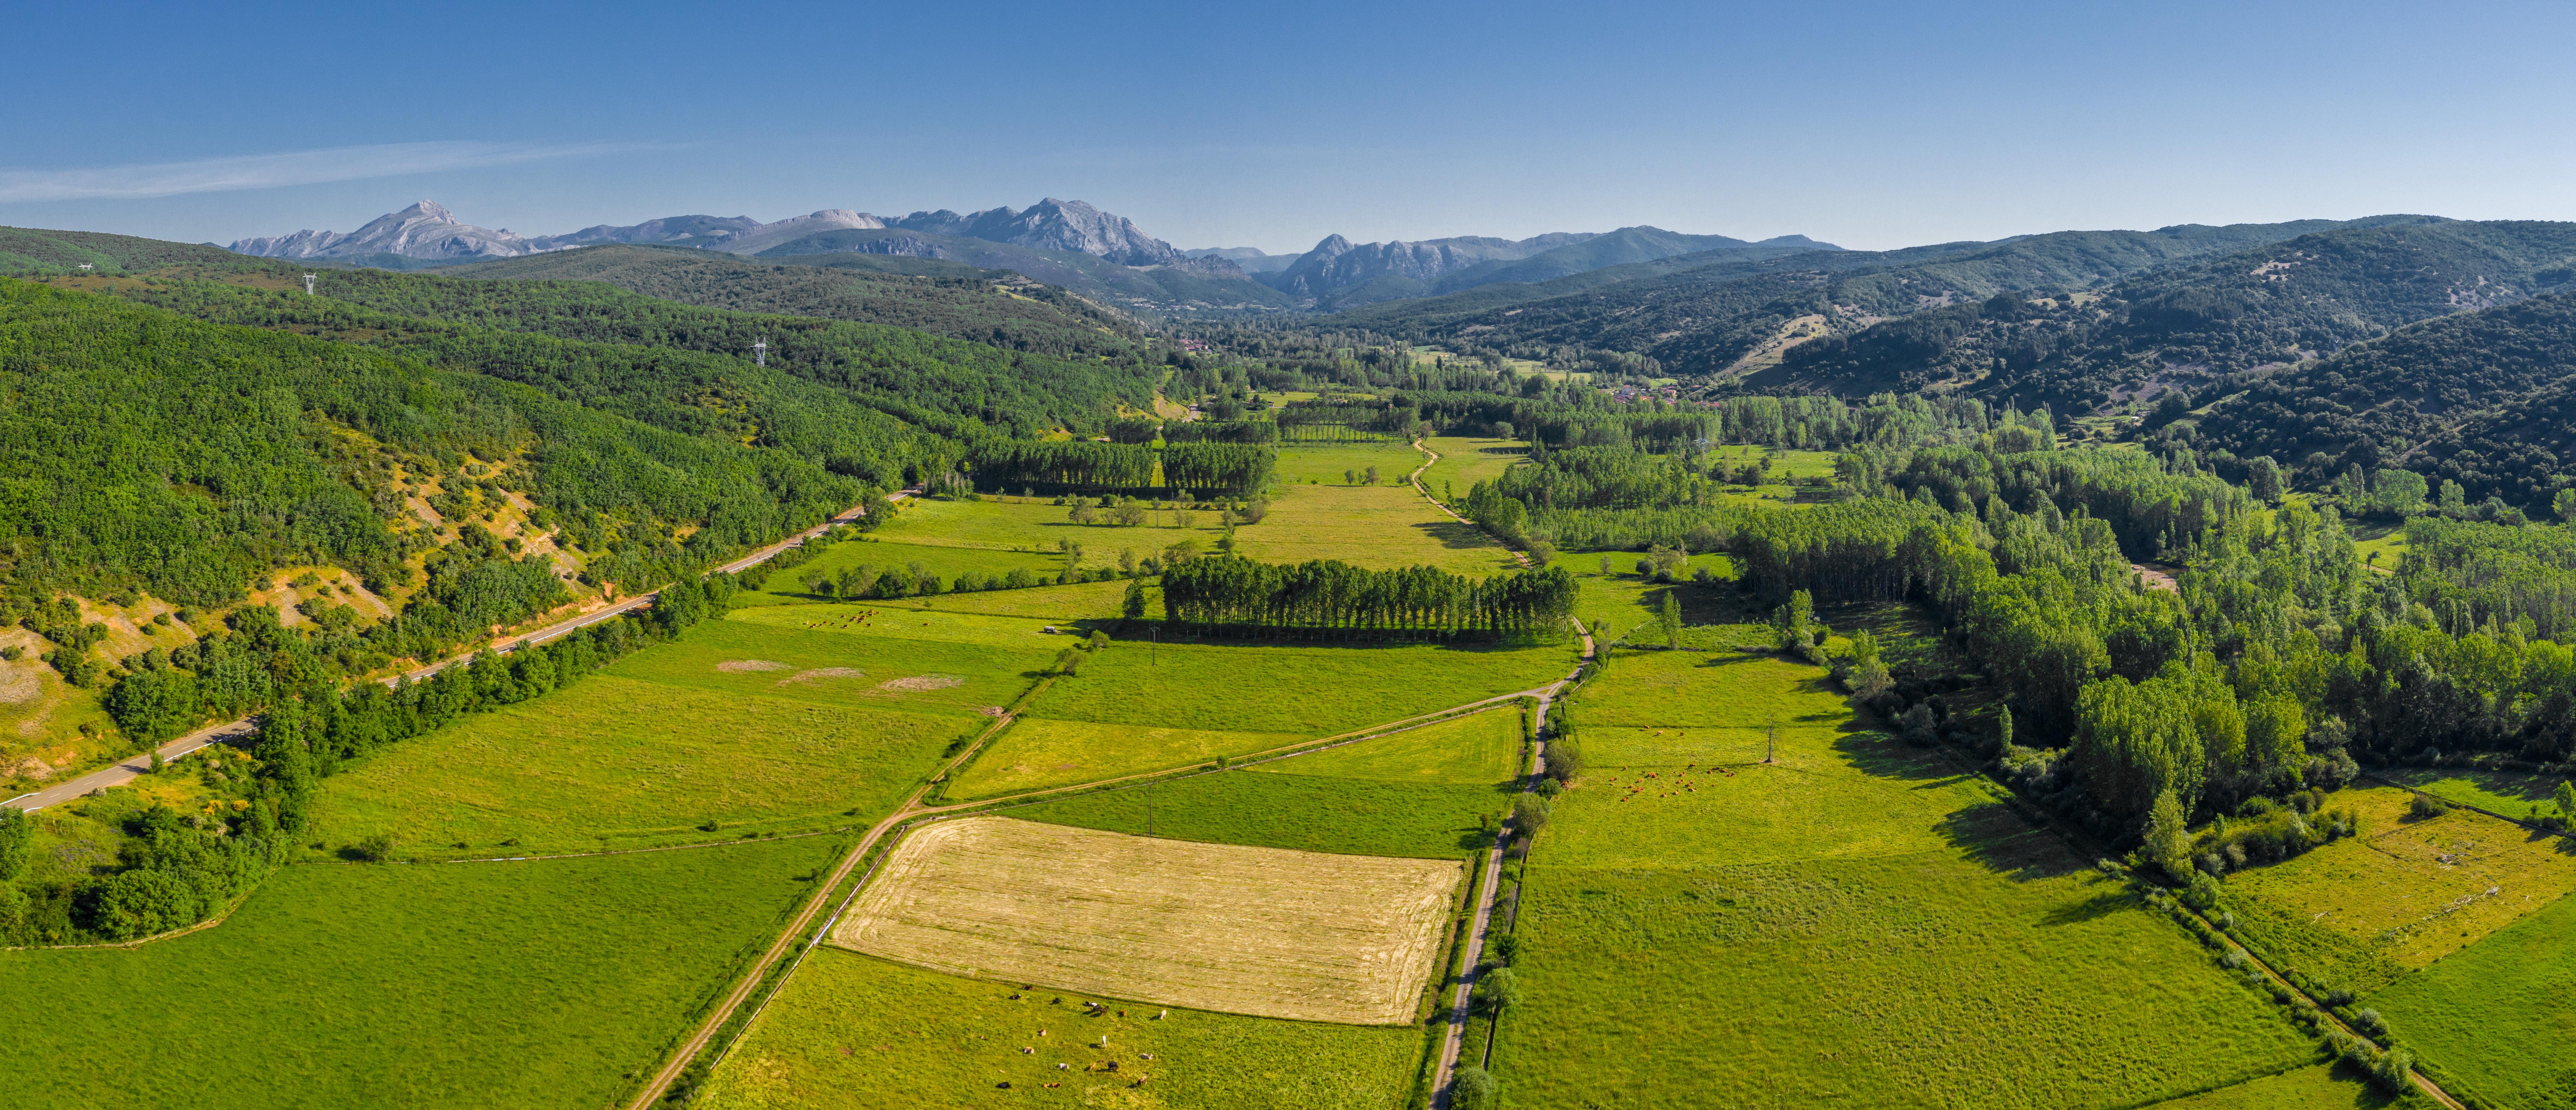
125 771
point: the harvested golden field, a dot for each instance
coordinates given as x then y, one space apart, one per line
1261 931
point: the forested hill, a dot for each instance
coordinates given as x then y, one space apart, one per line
1688 313
2481 398
29 251
2274 304
995 307
650 357
144 449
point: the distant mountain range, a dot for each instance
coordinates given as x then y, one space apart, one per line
1068 243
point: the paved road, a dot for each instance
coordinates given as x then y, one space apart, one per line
126 770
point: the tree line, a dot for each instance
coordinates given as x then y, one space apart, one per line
1333 599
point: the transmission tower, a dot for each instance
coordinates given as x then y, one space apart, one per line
760 352
308 285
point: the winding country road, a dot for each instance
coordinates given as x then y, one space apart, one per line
125 771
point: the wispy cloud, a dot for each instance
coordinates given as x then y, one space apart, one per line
268 171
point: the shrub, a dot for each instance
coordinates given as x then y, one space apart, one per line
1497 990
2391 1070
2202 893
2370 1024
378 848
1471 1089
2426 807
1505 948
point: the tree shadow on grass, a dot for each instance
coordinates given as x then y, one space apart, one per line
2005 843
1455 536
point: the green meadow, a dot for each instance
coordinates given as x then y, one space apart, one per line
1465 461
547 983
858 1032
1308 690
1859 923
740 726
1039 752
1306 812
2479 1018
1480 748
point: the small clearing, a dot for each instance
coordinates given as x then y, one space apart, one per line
1261 931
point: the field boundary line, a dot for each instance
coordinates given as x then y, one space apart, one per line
912 812
570 855
1302 747
1453 1042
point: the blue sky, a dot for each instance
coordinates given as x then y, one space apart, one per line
1866 124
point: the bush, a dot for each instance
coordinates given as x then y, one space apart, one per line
2426 807
2391 1070
378 848
1471 1089
1497 990
2202 893
1505 948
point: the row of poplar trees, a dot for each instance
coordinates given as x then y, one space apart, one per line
1336 600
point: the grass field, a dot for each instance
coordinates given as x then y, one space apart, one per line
744 725
2363 911
1029 527
851 1032
1323 465
2496 1017
1314 691
1037 752
1259 931
1480 749
1466 461
1383 526
2511 793
1861 923
1308 813
538 984
1081 601
945 560
2315 1087
917 620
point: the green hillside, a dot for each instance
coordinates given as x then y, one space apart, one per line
25 250
2274 304
980 306
2481 398
1686 313
678 364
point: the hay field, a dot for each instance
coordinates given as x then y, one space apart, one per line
2362 911
1323 464
1032 526
1080 601
2511 793
1258 931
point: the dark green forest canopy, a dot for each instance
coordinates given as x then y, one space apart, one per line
143 447
2275 304
993 307
1687 312
950 385
2479 398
